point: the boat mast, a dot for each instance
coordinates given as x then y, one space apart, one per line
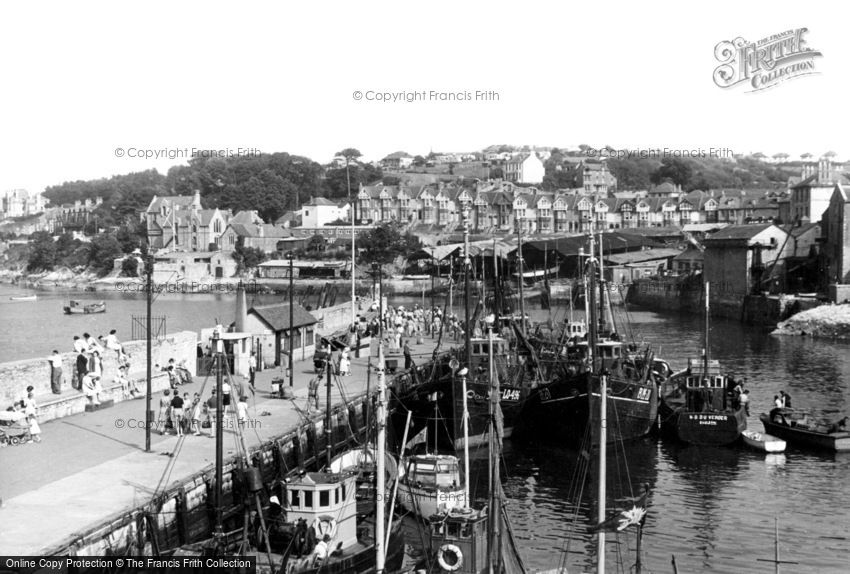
380 487
328 420
467 263
468 332
519 275
219 432
351 210
603 440
705 351
494 540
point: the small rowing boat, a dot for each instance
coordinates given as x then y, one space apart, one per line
763 441
24 298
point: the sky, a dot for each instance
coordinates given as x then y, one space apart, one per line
90 88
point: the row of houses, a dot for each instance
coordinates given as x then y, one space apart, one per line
501 206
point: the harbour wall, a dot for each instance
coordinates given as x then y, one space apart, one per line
184 512
674 294
15 376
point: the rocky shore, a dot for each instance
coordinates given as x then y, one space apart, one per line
830 321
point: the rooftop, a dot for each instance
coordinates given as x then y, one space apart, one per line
277 316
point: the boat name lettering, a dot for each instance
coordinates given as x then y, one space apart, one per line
707 417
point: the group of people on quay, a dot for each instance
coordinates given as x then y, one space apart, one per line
185 415
86 376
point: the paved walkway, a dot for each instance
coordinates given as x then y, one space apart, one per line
92 465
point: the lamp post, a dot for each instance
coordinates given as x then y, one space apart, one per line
149 375
291 320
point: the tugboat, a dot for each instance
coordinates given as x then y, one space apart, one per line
696 405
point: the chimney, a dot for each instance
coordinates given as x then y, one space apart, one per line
824 171
196 200
241 308
261 232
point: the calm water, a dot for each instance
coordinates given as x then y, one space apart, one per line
34 328
711 508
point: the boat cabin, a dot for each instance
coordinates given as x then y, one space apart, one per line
433 471
480 367
459 541
321 497
705 390
575 329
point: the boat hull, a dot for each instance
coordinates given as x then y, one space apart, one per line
563 412
425 502
702 428
763 442
833 442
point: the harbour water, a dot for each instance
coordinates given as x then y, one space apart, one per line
711 508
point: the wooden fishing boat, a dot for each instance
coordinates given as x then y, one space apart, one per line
431 484
79 308
763 441
796 428
23 298
696 406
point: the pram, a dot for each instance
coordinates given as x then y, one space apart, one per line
14 428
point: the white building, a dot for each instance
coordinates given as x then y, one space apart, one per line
20 202
319 212
524 168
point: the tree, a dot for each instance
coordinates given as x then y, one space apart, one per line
806 156
42 252
247 257
387 241
674 169
104 250
830 154
632 173
418 161
130 267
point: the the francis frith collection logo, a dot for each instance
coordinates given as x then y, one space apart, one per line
765 63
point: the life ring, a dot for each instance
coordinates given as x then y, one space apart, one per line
450 558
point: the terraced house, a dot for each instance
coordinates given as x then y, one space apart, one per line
498 206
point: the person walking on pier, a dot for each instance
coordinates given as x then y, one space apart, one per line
252 367
164 404
408 360
55 361
177 414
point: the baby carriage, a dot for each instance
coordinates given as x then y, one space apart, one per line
14 428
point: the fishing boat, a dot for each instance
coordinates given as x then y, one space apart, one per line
79 308
566 405
798 429
763 442
23 298
696 405
430 484
471 540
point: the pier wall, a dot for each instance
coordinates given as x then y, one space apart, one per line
672 294
183 513
15 376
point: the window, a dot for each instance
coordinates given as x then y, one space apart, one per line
336 496
324 498
344 497
308 499
295 498
306 213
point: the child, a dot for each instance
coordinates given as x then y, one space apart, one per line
242 411
35 430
